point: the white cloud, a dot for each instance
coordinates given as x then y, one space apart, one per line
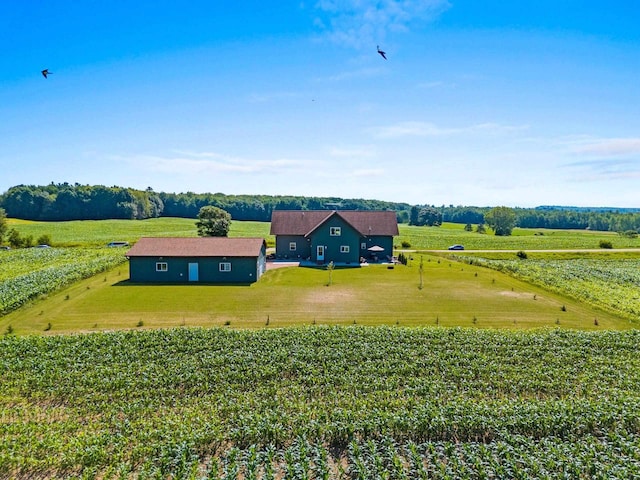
597 170
368 172
209 163
356 23
426 129
604 159
272 96
609 147
433 84
361 73
352 152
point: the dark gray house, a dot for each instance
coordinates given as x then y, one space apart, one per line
197 260
341 236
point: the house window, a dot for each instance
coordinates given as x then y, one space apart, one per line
335 231
225 266
344 248
292 246
363 246
162 266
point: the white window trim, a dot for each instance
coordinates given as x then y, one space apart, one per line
162 267
363 246
335 231
292 246
344 249
225 266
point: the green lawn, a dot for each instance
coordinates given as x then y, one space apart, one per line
454 294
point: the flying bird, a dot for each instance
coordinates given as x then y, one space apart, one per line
46 72
384 54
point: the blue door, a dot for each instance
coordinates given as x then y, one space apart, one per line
193 272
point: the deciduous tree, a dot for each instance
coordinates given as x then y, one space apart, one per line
213 222
501 220
3 224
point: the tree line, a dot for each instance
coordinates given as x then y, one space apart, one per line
559 218
57 202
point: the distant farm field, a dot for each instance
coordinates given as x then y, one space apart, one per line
100 232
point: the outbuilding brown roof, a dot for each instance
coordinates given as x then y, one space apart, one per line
196 247
303 222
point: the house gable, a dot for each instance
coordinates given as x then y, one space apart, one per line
338 240
299 233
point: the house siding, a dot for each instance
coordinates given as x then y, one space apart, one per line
379 240
302 251
243 269
348 237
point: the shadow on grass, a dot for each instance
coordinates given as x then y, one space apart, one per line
336 267
129 283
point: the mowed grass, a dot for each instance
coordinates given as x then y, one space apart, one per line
453 294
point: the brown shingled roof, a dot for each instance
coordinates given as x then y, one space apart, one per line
196 247
303 222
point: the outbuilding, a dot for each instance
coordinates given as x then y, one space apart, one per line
197 260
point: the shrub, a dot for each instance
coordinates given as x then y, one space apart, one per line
605 244
44 240
521 255
405 244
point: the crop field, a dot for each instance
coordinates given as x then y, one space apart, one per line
100 232
439 238
610 283
26 274
321 403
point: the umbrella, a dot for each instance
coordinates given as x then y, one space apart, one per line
376 248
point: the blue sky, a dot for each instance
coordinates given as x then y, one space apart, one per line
484 103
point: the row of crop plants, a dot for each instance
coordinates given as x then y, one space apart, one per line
319 402
26 274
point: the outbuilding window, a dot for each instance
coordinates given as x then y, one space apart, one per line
225 266
344 248
335 231
292 246
162 266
